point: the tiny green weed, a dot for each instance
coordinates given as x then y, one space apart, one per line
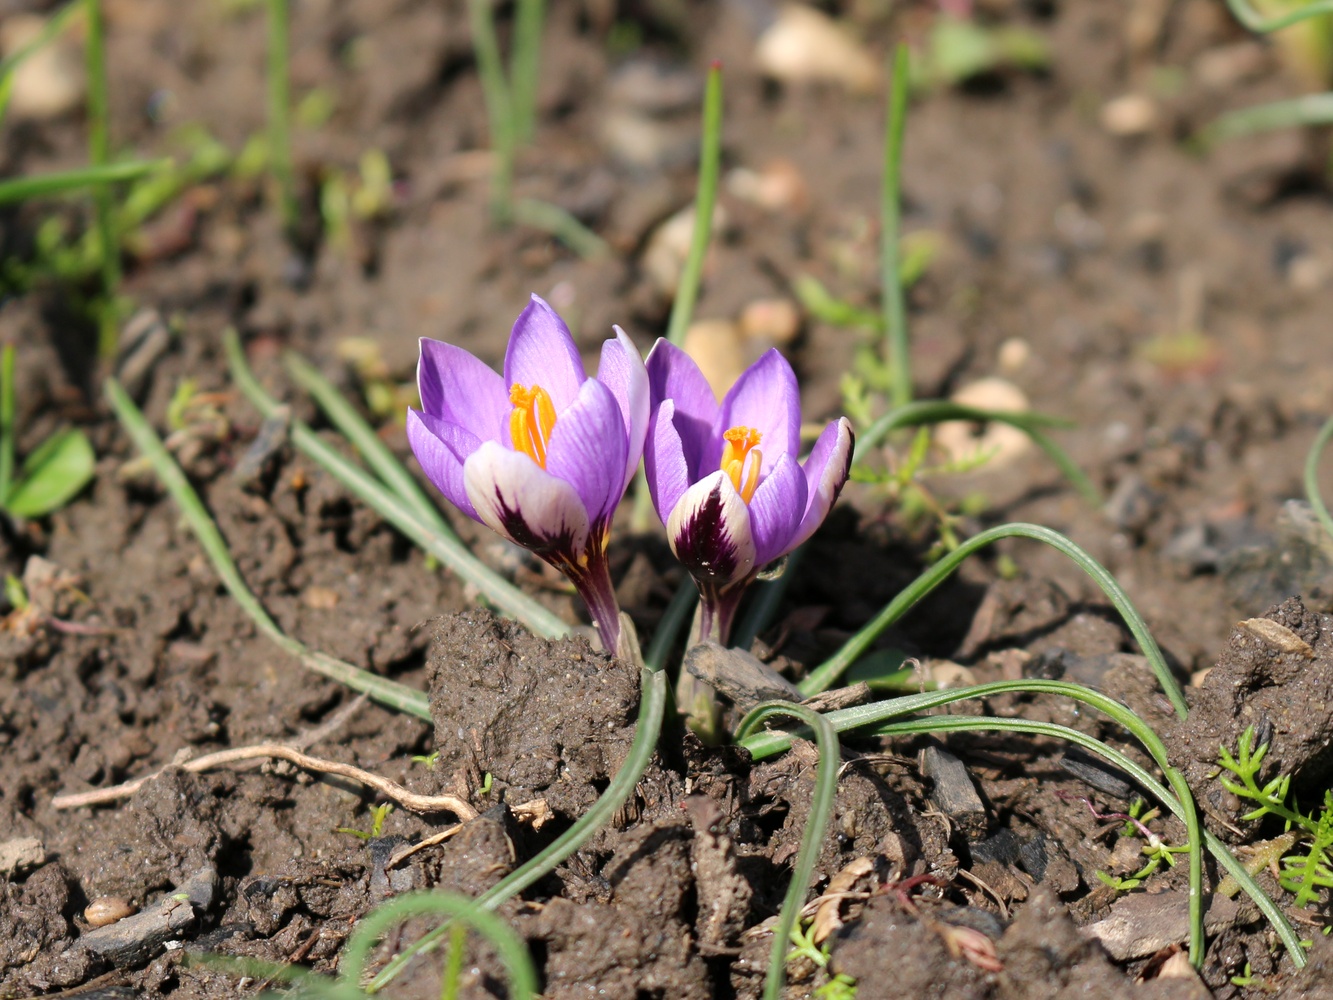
1307 873
53 473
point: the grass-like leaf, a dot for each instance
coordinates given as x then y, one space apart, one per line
652 707
381 689
827 673
896 351
398 511
52 475
1248 15
710 165
1312 491
66 181
934 411
812 838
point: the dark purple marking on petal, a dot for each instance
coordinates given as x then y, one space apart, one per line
704 543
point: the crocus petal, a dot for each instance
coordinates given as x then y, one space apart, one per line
460 389
664 462
442 448
542 352
776 510
672 374
767 398
622 371
516 497
709 531
587 450
826 472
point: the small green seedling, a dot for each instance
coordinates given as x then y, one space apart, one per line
378 814
426 760
1304 874
53 473
1157 851
839 986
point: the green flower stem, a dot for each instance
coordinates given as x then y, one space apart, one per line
896 346
934 411
812 839
66 181
710 163
280 110
344 416
398 512
1312 491
1255 21
883 711
506 941
383 690
826 674
652 707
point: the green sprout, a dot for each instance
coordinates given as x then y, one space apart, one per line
840 986
378 814
511 102
426 760
53 473
1158 851
1304 874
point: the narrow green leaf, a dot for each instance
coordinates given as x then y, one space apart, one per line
381 689
65 181
52 475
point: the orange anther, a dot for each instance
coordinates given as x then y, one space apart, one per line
741 459
531 421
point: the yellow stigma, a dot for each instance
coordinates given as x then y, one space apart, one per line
531 421
741 459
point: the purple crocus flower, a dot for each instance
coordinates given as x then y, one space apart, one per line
725 480
541 454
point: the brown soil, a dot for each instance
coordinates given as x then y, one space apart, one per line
1067 252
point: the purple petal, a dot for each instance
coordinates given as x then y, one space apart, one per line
767 398
622 371
776 510
664 463
542 352
516 497
458 388
672 374
709 531
587 450
826 472
442 448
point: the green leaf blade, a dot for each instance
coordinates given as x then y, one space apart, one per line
53 474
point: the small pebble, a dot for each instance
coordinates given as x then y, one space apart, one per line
778 187
1001 442
717 348
770 322
49 82
106 910
804 45
1132 114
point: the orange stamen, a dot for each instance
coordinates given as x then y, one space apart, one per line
531 421
741 459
